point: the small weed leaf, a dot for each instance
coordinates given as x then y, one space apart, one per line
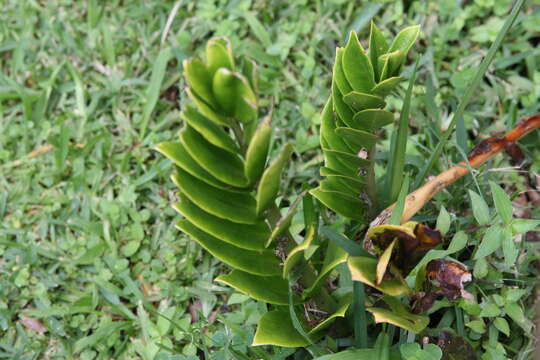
509 248
502 202
480 208
443 221
478 326
491 242
502 325
412 351
522 226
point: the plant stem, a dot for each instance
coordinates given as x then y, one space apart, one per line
371 186
322 297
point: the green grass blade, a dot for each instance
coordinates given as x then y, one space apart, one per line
154 87
352 248
459 321
359 316
395 219
396 163
470 91
257 28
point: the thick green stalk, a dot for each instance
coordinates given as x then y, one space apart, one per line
371 185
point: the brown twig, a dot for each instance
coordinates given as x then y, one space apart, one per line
484 151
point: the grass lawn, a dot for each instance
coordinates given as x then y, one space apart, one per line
91 265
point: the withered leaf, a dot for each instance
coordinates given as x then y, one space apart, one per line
448 278
443 278
414 240
383 261
34 325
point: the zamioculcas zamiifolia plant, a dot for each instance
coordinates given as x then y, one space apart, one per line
228 187
227 192
314 285
353 114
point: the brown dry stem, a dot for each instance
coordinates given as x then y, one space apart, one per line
484 151
37 152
